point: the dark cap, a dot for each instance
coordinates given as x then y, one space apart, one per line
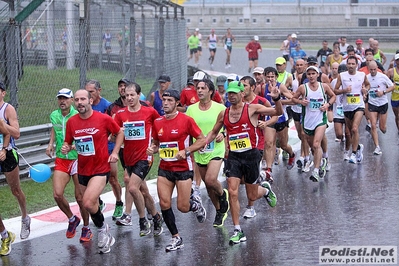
172 93
190 81
342 68
164 78
126 81
2 86
312 59
221 80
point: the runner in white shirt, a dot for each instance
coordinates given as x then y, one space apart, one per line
212 44
355 87
380 85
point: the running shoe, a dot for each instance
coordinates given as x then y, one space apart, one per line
265 175
291 162
224 201
237 237
285 155
359 154
322 169
25 227
308 165
276 156
6 244
118 212
270 197
102 206
352 158
200 212
346 155
300 163
126 220
377 151
86 235
219 219
249 212
315 176
105 240
71 232
175 243
158 226
145 227
328 166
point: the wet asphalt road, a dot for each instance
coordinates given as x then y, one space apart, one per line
352 205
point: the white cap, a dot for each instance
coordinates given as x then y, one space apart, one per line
396 56
65 93
232 77
313 68
197 29
256 38
293 35
199 75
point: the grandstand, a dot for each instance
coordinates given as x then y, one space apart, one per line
261 14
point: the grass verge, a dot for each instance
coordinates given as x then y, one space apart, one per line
39 196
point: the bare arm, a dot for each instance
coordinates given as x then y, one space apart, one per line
114 157
6 139
331 95
216 128
300 92
50 147
338 85
152 98
384 58
13 124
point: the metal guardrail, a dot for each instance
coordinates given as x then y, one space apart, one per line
31 146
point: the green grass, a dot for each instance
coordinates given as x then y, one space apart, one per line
38 88
39 196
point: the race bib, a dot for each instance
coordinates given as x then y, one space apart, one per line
134 130
1 140
85 145
107 43
353 98
240 142
340 111
323 58
209 148
373 93
315 104
212 45
168 150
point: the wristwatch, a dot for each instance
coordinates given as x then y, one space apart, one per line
187 152
5 148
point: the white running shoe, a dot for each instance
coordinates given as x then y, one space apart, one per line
377 151
249 212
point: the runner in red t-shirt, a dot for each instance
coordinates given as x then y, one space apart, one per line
188 95
136 121
171 134
90 132
240 121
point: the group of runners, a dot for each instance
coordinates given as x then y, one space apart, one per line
194 45
242 122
